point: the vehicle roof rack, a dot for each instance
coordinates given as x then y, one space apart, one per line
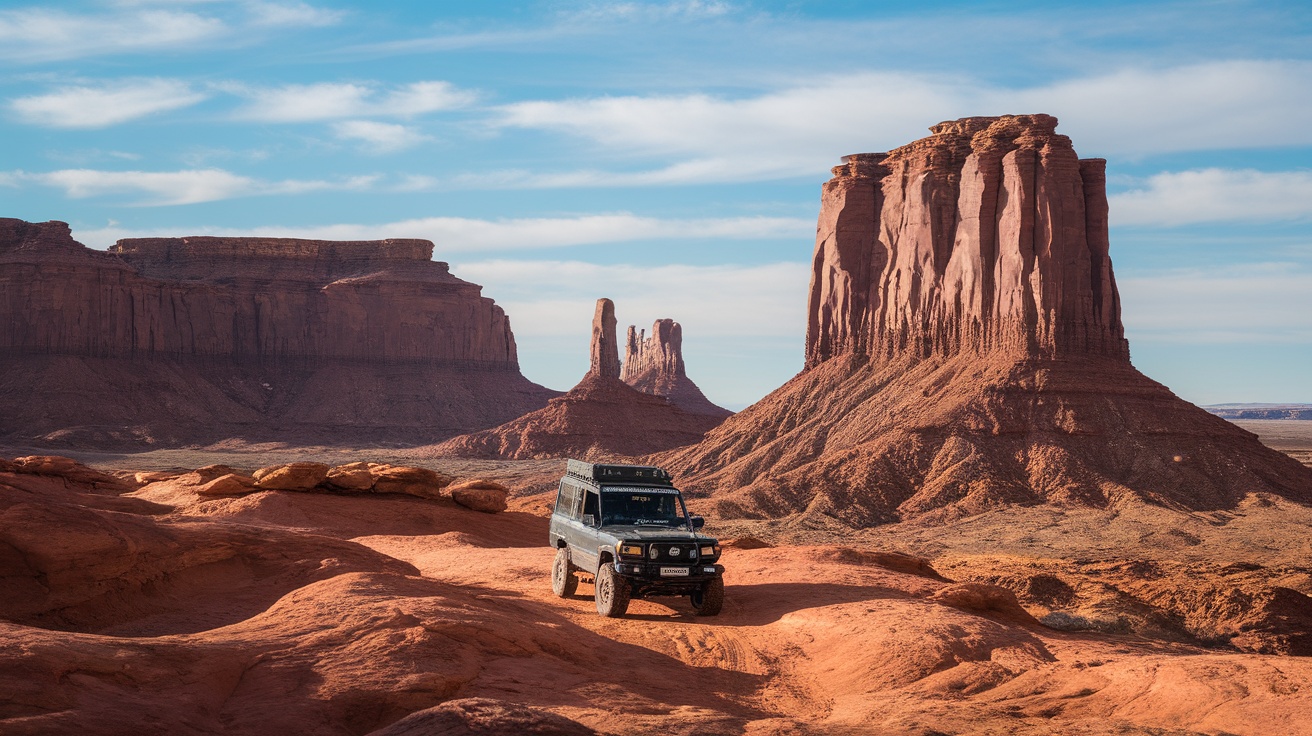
613 473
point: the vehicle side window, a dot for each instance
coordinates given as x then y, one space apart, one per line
568 501
591 506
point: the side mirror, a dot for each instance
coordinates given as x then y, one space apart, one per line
589 520
698 522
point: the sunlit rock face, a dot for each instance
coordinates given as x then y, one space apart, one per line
157 337
991 234
654 365
965 353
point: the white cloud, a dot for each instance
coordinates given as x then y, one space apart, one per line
638 11
799 130
44 34
297 15
1240 303
464 235
106 104
378 137
334 100
709 301
178 187
1215 195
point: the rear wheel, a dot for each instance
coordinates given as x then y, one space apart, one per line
563 580
710 599
612 592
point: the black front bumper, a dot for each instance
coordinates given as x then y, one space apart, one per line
648 574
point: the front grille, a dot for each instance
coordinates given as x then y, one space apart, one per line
674 553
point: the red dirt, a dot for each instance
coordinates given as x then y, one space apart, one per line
309 612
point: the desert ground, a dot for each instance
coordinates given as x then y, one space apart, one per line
170 613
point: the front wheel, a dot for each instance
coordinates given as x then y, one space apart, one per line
612 592
710 599
563 580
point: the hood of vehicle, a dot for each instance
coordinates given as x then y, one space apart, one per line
654 534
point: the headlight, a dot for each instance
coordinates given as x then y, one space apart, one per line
710 550
654 552
628 550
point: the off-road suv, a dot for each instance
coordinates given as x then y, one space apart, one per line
627 528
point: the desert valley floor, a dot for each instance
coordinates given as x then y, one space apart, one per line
317 613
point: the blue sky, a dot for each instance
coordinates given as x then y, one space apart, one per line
669 154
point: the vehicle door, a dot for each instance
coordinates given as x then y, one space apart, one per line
583 541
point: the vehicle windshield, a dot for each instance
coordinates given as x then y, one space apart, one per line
642 507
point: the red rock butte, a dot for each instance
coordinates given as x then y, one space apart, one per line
197 339
602 416
654 365
965 352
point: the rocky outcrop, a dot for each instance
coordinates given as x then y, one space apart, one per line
176 340
654 365
965 353
601 416
990 235
603 350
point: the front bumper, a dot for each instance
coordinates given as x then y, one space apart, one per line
651 572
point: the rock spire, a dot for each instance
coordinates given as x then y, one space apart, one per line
654 365
604 350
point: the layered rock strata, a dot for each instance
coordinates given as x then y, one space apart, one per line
175 340
965 352
654 365
601 416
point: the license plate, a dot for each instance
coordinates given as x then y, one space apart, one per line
674 571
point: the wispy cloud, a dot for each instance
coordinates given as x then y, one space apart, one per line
649 11
177 187
45 34
105 104
1240 303
294 15
464 235
378 137
799 130
334 100
710 301
1171 199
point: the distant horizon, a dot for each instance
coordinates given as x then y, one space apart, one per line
669 154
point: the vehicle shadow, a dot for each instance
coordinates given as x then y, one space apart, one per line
758 604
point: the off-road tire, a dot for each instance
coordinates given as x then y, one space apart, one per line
563 580
710 599
612 592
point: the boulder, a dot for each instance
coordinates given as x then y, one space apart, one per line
210 472
153 476
480 495
69 469
291 477
231 484
351 477
483 717
420 482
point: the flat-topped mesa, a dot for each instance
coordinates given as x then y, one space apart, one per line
283 258
244 299
989 235
604 350
654 365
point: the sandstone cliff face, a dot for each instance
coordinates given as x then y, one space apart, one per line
654 365
989 235
600 417
965 352
247 336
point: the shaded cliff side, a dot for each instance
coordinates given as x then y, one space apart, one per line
193 340
965 352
